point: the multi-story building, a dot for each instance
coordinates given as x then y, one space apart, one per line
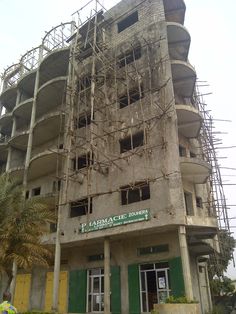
103 120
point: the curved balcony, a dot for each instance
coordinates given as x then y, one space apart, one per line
20 140
11 75
178 40
194 170
50 95
48 127
17 173
8 98
54 65
23 112
47 162
27 82
6 124
189 120
184 78
174 10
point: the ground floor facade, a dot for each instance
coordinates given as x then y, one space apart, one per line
144 270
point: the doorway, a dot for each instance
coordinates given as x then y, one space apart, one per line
154 284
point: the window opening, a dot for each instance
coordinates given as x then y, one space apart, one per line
188 203
132 142
199 202
153 249
26 194
182 151
96 290
80 207
36 191
84 82
53 227
56 186
154 285
82 161
137 193
97 257
129 57
133 96
128 21
84 121
192 155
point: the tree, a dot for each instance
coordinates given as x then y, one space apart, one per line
218 262
22 224
222 286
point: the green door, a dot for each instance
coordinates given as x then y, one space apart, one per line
115 290
134 289
77 291
176 277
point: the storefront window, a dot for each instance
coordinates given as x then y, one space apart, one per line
154 283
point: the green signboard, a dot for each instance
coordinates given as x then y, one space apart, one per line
116 220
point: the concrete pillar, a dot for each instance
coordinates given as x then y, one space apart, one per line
185 263
30 139
208 287
13 132
107 288
56 275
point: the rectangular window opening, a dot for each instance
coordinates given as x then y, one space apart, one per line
129 143
182 151
84 121
134 95
56 186
128 21
137 193
188 203
97 257
82 161
192 155
129 57
80 207
199 202
153 249
36 191
84 83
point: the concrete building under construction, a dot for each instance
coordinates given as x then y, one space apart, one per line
104 120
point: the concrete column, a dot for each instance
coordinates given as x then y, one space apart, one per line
107 289
185 263
30 139
56 275
208 287
13 132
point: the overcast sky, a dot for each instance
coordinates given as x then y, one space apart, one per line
212 26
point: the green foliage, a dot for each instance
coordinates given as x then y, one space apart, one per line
22 224
221 286
182 299
219 262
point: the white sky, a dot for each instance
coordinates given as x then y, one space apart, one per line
212 26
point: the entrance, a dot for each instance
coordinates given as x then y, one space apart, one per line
96 290
154 284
